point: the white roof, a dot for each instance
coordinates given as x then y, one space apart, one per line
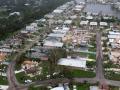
58 11
68 22
73 17
113 36
17 13
58 35
103 24
59 31
76 62
89 17
23 31
114 33
79 6
77 9
111 40
3 87
6 50
34 24
58 88
53 44
94 88
84 22
93 23
64 30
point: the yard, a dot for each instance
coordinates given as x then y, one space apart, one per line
83 87
112 75
3 80
79 73
114 88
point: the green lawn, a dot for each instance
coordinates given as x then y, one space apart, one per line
21 77
79 73
91 64
45 68
79 86
3 80
112 76
114 88
92 49
91 56
83 87
37 88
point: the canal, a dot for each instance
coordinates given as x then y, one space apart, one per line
104 9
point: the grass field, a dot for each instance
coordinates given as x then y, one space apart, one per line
3 80
80 73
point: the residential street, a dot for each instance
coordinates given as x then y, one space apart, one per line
14 84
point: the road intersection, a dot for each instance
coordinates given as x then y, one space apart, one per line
15 85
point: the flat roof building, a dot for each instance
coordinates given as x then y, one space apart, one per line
53 44
103 24
84 22
93 23
73 62
56 35
58 88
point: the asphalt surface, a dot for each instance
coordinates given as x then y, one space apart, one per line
15 85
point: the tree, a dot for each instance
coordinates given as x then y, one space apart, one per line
54 56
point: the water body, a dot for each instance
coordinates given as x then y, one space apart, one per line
105 9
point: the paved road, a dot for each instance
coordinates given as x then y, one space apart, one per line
13 83
52 82
99 59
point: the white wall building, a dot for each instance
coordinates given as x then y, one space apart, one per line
73 62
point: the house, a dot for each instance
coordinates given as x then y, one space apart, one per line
32 27
14 13
49 16
78 8
68 22
84 23
94 88
73 62
5 50
94 24
58 88
115 56
103 24
24 32
62 30
58 11
27 64
3 87
89 17
53 44
114 41
2 56
56 35
73 17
